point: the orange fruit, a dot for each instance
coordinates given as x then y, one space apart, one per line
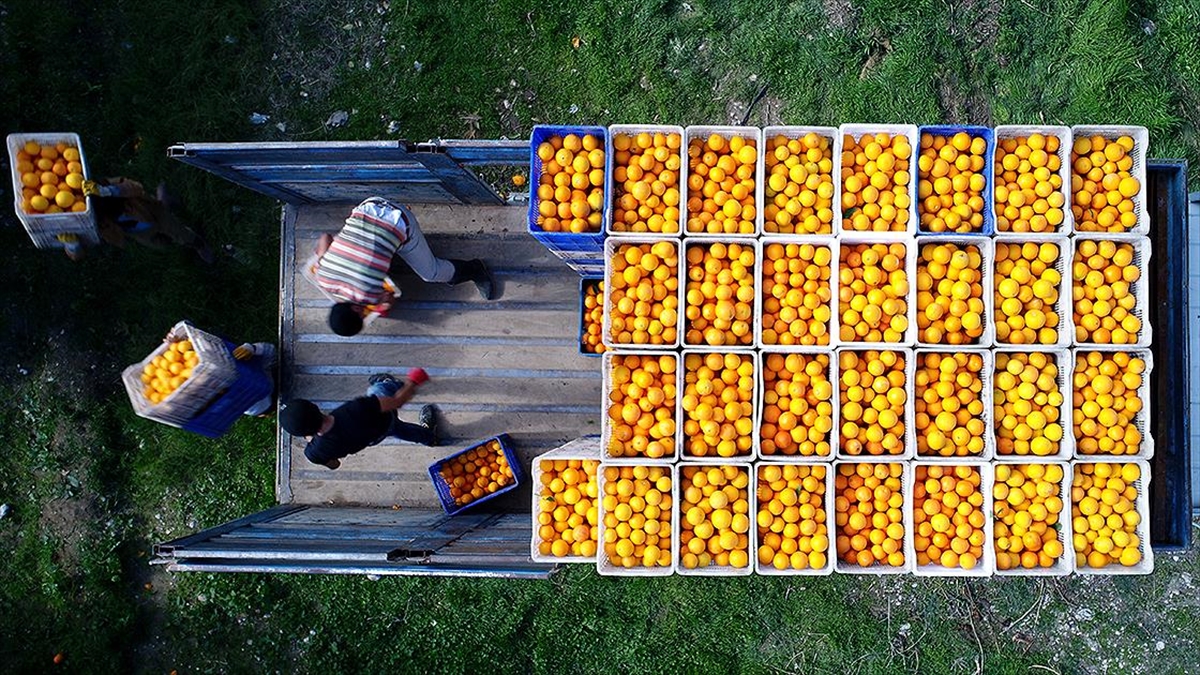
951 183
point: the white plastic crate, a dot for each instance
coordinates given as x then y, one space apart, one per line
828 504
585 449
1064 362
835 144
1141 143
857 131
910 438
986 254
754 402
1063 134
215 372
613 244
911 251
604 566
606 389
986 396
1066 562
1142 505
1140 288
715 570
1141 421
609 182
1066 330
987 563
727 132
785 240
831 373
755 274
843 567
44 228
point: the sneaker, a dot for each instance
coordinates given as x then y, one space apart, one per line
379 378
428 419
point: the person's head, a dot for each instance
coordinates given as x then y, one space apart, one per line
300 417
345 320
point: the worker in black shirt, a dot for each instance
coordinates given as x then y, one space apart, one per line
360 423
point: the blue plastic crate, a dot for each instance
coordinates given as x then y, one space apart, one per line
989 174
251 385
583 284
587 269
443 490
568 240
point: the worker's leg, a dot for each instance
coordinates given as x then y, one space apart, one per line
416 253
387 386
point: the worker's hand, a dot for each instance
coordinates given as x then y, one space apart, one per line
243 352
90 188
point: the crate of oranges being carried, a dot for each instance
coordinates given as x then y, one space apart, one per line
48 174
477 474
181 377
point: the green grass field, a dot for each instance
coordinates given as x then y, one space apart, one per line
91 487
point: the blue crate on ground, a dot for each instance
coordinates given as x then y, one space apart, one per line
565 241
989 174
443 490
583 286
251 385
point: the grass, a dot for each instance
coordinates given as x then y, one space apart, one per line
91 486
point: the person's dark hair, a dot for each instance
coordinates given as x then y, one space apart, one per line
345 320
300 417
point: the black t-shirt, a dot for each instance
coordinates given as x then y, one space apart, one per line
356 425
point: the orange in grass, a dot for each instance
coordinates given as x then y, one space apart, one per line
797 402
796 289
868 512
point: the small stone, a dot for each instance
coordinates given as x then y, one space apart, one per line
258 119
1159 646
4 509
393 127
338 119
417 66
281 126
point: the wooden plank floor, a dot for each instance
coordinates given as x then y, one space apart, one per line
508 366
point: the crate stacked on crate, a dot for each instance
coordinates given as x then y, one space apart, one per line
191 381
48 171
568 205
929 348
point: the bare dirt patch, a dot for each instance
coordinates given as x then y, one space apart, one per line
840 14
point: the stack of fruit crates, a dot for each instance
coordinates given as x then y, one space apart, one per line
891 348
567 205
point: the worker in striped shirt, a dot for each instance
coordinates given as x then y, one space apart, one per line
353 265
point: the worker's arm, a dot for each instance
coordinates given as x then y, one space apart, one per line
395 401
323 244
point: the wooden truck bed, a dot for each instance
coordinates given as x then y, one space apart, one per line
511 365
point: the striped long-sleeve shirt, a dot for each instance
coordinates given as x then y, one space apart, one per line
356 263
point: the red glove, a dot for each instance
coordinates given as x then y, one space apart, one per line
418 376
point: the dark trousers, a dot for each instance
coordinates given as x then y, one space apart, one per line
405 431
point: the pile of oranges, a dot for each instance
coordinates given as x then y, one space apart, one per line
793 521
643 294
799 188
869 515
721 185
1103 185
641 406
568 513
1026 290
718 403
797 405
876 180
1027 404
950 294
570 191
169 370
948 516
1027 503
646 182
1104 515
591 338
51 178
950 189
637 508
949 404
714 526
796 291
720 294
1029 194
1105 403
873 395
1103 274
477 473
872 292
